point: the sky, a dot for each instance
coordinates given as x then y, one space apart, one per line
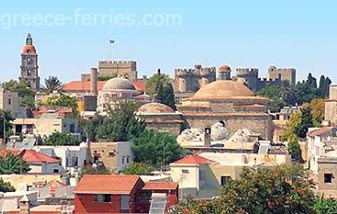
71 36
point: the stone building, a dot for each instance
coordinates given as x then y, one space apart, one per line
9 101
225 73
191 80
331 106
250 77
231 103
114 90
125 69
29 64
162 118
284 74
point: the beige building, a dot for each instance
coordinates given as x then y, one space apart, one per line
284 74
114 90
115 156
331 106
9 101
162 118
45 125
231 103
124 69
203 175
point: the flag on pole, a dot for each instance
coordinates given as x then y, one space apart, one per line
112 41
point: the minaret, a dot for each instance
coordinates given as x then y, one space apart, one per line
29 64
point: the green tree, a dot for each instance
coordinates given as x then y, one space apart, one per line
52 84
13 164
121 123
89 127
306 122
6 186
65 101
295 150
154 81
8 124
60 139
163 146
325 206
138 169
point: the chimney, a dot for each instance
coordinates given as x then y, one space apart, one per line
207 137
24 205
93 81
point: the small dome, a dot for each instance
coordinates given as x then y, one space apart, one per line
222 89
118 84
29 50
225 68
155 108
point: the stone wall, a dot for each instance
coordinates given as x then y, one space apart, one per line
327 166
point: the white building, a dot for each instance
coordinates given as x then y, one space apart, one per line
70 156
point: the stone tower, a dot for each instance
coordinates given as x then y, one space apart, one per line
29 64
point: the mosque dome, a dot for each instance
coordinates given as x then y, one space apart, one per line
222 89
155 108
118 84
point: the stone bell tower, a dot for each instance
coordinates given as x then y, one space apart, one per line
29 64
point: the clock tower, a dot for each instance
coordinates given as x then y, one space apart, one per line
29 64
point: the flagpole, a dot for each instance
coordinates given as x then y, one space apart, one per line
111 43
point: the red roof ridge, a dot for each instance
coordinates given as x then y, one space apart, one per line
193 159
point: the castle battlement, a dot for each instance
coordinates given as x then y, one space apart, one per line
247 71
116 62
181 72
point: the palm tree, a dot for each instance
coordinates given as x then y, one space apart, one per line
13 164
52 84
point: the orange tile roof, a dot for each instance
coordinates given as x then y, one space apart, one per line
193 159
30 155
140 85
160 185
107 184
82 86
319 132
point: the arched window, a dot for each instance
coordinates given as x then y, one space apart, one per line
29 72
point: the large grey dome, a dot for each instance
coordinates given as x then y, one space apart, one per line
118 84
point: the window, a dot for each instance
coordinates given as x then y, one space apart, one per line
29 72
185 171
123 159
9 101
202 175
111 154
328 178
102 198
125 206
128 159
224 179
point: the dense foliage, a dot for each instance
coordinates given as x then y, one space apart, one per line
60 139
156 148
120 124
276 190
302 92
98 170
159 85
138 169
65 101
12 164
6 186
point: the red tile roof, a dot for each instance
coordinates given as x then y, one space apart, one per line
107 184
140 85
160 185
82 86
30 156
319 132
193 159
